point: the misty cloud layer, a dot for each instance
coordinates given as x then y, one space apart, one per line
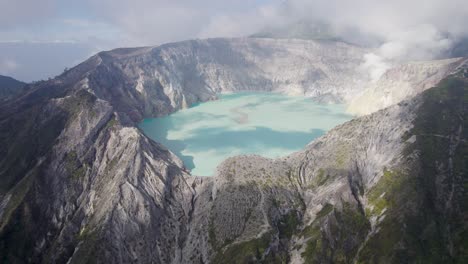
399 30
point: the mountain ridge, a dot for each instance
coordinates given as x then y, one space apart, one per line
9 87
94 188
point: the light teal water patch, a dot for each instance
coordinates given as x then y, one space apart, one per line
267 124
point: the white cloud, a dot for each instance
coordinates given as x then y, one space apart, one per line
407 30
416 29
243 24
8 66
15 13
422 42
150 22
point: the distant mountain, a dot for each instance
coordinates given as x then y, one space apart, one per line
10 87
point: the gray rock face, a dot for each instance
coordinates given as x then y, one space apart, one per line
79 183
155 81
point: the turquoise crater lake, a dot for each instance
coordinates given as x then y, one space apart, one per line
268 124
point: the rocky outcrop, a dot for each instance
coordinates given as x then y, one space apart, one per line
80 184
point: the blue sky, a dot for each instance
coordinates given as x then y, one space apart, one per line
65 32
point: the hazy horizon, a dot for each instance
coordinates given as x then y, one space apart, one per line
38 39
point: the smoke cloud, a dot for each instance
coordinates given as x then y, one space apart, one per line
399 30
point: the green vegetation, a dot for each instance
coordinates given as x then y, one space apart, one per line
287 225
444 172
82 100
341 156
17 195
79 173
326 209
321 178
24 138
111 165
17 223
244 252
87 252
420 224
83 234
27 135
348 227
21 147
74 166
112 122
314 244
254 251
212 235
350 231
10 87
381 247
383 194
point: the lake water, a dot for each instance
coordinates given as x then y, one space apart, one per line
268 124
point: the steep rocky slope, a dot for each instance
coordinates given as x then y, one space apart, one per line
9 87
80 184
385 188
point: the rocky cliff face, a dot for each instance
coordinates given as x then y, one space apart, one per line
80 184
158 80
